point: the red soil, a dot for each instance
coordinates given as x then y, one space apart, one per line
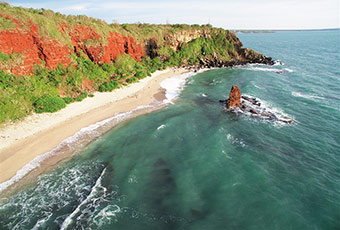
35 47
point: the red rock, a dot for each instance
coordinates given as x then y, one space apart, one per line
33 47
234 97
99 53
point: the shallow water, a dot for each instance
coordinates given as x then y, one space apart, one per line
194 166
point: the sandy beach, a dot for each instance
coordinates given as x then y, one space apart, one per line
38 134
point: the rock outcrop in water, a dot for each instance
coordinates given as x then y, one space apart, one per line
252 107
234 97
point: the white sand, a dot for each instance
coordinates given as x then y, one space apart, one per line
37 134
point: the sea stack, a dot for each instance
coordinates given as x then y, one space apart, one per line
234 97
251 106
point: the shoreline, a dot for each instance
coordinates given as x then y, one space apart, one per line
41 141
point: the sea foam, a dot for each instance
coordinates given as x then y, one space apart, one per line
89 132
93 193
173 87
306 96
267 68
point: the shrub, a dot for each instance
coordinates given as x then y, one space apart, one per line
81 96
68 100
124 64
108 86
49 103
141 75
131 80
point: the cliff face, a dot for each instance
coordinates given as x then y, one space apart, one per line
35 48
177 39
98 51
48 38
32 47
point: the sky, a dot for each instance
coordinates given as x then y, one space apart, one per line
228 14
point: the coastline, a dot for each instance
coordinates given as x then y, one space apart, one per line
44 138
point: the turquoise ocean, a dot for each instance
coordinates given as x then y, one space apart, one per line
194 166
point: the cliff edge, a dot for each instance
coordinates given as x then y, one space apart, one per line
67 57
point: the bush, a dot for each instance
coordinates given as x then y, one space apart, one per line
81 96
68 100
108 86
132 79
124 64
49 103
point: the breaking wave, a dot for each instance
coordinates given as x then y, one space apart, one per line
307 96
70 144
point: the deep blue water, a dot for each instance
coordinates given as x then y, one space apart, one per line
194 166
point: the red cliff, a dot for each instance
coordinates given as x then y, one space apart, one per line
34 48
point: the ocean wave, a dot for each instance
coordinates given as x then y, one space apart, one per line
161 127
90 132
278 63
98 205
174 85
59 189
256 86
275 70
94 191
267 68
307 96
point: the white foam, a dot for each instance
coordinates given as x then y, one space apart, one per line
267 68
289 70
174 86
265 107
161 127
106 214
90 130
234 140
204 95
256 86
278 62
306 96
69 220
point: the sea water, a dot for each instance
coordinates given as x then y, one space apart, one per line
192 165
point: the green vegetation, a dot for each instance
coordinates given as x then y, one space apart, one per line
49 90
10 61
49 103
6 24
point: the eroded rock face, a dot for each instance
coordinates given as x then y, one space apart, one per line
33 47
90 42
234 97
176 40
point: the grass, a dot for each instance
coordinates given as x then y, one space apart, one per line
49 90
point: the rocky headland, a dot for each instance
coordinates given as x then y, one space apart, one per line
61 59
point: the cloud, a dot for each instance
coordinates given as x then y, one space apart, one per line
240 14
